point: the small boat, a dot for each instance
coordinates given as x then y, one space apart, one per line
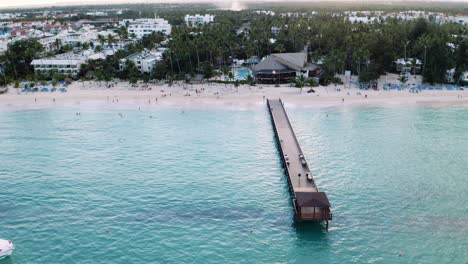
6 248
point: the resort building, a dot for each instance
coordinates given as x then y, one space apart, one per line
144 61
362 20
66 63
450 76
275 31
464 77
264 12
284 68
8 16
97 13
113 46
76 38
198 19
3 45
463 20
146 26
409 65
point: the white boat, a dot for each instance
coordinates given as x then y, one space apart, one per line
6 248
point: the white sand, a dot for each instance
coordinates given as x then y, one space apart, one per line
220 96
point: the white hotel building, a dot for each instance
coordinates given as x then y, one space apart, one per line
144 61
66 63
146 26
198 19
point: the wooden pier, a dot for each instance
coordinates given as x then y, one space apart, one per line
309 204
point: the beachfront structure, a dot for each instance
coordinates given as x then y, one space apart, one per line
146 26
284 68
464 77
412 65
193 20
450 75
144 61
66 63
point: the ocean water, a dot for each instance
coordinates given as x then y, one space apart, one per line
207 186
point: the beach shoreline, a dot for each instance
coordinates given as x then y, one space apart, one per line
220 96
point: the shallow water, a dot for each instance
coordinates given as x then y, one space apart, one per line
207 186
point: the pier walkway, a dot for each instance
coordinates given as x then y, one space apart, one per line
309 204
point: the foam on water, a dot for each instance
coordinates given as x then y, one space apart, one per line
207 186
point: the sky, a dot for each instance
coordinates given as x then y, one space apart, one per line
27 3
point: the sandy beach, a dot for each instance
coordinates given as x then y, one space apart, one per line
220 96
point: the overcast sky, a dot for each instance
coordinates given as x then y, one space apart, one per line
25 3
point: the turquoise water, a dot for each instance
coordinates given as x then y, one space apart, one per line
207 186
241 74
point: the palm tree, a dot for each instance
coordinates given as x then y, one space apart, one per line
122 32
300 82
58 43
102 40
111 40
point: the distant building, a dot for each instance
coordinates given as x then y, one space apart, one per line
409 65
450 76
75 38
362 20
3 45
49 42
464 77
284 68
113 46
146 26
8 16
458 19
97 13
144 61
264 12
275 31
193 20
